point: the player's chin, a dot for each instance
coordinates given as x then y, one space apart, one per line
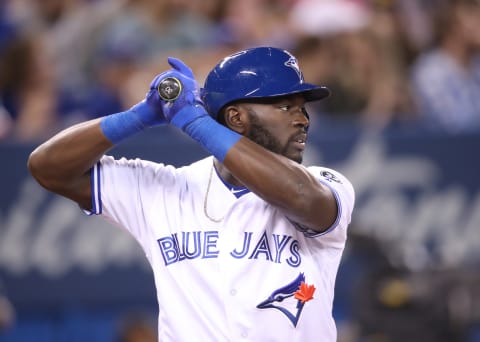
293 151
295 155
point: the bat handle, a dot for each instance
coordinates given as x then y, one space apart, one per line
169 88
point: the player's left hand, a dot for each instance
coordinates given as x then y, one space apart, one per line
187 105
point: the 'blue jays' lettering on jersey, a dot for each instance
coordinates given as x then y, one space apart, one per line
203 244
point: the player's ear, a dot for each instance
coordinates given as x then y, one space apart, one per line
235 118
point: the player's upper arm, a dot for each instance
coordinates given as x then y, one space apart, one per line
344 196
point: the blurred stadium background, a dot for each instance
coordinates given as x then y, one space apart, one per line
403 124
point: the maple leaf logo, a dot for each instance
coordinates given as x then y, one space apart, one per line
305 292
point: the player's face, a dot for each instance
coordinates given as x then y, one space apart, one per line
280 126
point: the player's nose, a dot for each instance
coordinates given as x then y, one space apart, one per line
301 120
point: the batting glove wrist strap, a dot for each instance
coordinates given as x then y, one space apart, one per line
215 138
117 127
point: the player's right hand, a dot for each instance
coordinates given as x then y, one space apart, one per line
151 108
181 103
163 110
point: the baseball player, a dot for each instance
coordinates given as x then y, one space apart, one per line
244 244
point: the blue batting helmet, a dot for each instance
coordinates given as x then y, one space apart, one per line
253 74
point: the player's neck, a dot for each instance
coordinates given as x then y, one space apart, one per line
225 174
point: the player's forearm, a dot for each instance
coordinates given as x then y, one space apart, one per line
62 163
282 183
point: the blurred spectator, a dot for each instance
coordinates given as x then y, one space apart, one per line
446 78
415 24
362 62
390 100
361 49
7 34
257 22
129 43
43 75
71 46
137 328
198 24
7 311
26 89
328 17
395 305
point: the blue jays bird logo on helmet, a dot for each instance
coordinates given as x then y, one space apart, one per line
282 300
293 63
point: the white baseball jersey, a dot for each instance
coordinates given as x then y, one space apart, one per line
252 276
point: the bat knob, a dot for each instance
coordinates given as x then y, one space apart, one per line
169 88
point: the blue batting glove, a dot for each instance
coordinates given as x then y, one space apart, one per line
178 95
147 113
187 105
151 108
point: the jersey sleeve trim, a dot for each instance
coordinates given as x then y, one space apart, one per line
309 232
95 190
